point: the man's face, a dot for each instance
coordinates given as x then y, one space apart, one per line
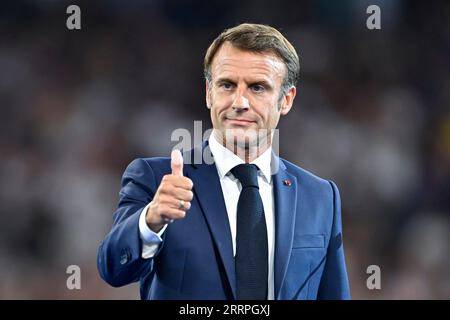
245 95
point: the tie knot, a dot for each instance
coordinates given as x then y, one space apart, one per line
247 174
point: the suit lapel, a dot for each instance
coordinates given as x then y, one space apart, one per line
208 192
285 197
205 179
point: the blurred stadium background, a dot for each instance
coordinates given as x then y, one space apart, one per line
372 113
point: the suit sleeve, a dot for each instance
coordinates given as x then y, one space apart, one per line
334 283
119 258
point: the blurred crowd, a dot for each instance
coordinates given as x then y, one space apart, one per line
372 113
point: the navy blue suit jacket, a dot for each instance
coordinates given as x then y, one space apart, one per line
195 259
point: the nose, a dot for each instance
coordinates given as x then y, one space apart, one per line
240 102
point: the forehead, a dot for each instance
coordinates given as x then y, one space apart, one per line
231 61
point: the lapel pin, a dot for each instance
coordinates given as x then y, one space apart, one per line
287 182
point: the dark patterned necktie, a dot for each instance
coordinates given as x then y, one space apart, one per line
251 237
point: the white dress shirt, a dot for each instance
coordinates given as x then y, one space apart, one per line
225 160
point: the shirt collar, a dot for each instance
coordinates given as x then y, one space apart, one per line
226 160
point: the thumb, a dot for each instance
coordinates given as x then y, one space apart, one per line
176 162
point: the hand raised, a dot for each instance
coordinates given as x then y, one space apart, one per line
173 197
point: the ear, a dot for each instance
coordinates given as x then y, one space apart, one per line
288 101
207 95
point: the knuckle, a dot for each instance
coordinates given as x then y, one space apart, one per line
162 186
188 183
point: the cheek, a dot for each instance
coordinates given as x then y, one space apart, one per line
216 112
273 116
219 104
274 119
268 111
221 100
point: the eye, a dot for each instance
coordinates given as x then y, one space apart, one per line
226 85
257 88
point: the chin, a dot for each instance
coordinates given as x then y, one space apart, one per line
242 137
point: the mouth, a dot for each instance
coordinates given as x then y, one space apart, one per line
239 122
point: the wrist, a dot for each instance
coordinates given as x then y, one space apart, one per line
149 220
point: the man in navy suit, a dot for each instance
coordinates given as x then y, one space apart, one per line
178 227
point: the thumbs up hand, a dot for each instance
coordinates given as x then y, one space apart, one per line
173 197
176 163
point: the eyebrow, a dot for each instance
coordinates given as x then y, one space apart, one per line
264 83
222 80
